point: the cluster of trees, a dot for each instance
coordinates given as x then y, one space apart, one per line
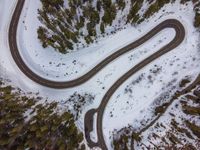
125 138
189 128
197 20
180 135
197 15
133 16
64 26
56 3
85 19
24 124
79 102
192 110
58 30
155 7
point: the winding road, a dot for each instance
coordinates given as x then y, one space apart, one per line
88 122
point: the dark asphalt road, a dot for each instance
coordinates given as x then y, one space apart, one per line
179 37
88 122
72 83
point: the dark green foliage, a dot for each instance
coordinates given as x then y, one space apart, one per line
121 4
42 35
184 82
121 143
197 20
133 16
194 128
64 26
180 129
184 1
80 23
152 9
79 102
192 110
179 132
54 3
109 14
125 138
88 39
102 28
106 3
91 30
161 109
155 7
24 124
99 5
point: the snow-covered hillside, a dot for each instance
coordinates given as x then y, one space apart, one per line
133 101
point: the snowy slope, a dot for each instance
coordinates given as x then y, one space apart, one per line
175 65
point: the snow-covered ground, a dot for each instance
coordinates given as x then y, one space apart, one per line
175 113
130 106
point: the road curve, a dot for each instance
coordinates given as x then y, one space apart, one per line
67 84
179 37
170 23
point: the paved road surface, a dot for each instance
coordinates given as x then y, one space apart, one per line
67 84
88 122
179 37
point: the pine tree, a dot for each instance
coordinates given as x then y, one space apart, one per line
102 28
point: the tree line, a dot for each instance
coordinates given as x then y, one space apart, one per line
83 20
